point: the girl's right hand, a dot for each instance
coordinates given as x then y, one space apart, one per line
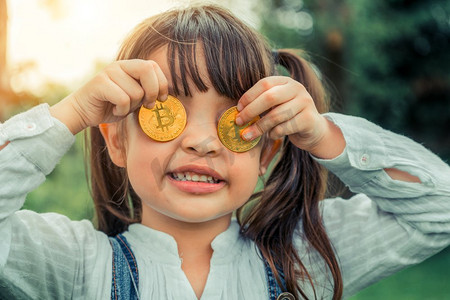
119 89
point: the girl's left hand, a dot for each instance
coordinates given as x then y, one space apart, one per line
287 109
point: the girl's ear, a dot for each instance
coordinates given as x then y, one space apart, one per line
113 144
268 153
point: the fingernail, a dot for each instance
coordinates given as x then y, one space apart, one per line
163 97
239 121
149 105
239 106
247 135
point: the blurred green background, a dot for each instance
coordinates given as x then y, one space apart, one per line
387 61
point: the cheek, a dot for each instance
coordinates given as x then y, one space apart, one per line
140 170
245 174
146 161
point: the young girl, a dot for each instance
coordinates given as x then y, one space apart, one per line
164 209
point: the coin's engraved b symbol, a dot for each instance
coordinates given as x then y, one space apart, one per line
237 134
163 113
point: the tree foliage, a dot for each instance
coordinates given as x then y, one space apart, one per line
388 61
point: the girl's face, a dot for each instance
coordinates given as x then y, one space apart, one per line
153 166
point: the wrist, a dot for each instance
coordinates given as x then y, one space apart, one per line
331 144
65 112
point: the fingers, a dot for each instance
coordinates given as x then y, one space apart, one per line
115 92
151 81
163 84
284 103
259 98
280 121
279 116
123 91
118 97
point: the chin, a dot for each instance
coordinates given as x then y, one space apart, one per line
201 216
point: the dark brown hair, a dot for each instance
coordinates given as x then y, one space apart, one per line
291 195
236 58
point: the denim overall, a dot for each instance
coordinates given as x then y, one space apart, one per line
125 275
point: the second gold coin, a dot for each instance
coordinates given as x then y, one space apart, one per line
230 133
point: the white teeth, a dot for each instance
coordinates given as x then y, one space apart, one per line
194 177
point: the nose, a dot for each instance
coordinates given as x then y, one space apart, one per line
200 138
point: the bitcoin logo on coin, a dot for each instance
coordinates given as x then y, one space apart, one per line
165 121
164 117
230 133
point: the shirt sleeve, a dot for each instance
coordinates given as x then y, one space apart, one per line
389 224
37 142
42 256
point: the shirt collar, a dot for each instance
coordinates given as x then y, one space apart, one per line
159 246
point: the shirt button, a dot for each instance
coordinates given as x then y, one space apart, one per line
365 158
30 126
286 296
428 183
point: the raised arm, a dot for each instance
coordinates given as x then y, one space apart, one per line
47 256
401 213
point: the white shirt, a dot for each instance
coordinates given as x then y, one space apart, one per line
387 226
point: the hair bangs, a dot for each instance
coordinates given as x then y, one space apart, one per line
234 58
235 55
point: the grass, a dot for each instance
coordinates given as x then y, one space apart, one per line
429 280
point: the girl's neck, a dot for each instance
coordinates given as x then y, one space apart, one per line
190 237
194 244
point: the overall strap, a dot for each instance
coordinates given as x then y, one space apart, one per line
275 291
125 274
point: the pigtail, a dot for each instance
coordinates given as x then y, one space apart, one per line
292 193
116 204
303 72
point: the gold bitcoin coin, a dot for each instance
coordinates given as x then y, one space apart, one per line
165 121
230 133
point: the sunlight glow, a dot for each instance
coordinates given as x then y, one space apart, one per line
63 41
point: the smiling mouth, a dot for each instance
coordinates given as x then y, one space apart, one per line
194 177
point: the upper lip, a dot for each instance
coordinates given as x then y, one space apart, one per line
199 170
